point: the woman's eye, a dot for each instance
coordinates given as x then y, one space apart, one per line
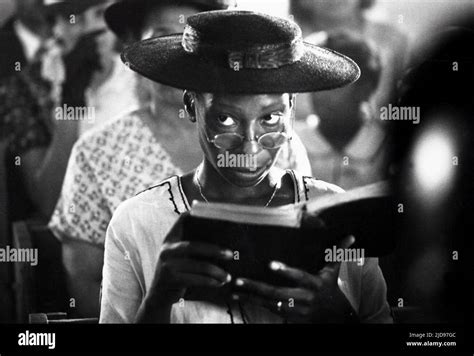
272 119
225 120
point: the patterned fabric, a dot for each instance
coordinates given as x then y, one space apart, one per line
107 166
134 239
25 110
112 163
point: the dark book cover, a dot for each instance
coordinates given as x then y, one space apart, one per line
301 237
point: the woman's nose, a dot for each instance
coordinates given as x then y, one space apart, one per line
250 146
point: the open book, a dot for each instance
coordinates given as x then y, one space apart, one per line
291 215
300 235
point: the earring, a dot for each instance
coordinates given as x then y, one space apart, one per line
189 106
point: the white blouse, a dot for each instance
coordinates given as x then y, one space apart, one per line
136 234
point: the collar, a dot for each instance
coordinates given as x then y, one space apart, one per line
30 41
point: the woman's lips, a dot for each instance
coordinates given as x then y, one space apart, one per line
248 171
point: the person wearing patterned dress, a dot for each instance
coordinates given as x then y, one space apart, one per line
239 70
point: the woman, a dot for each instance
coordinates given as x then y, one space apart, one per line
346 143
390 41
131 152
238 69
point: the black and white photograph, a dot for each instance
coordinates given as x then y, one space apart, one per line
298 162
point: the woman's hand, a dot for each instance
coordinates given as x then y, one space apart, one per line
184 264
316 298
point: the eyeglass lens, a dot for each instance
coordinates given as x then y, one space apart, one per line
269 140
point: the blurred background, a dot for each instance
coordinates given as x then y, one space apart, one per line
412 53
418 14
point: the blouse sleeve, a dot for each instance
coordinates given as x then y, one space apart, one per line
82 212
121 290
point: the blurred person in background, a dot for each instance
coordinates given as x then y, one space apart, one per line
41 73
323 15
106 92
22 35
23 30
131 153
344 138
36 142
109 91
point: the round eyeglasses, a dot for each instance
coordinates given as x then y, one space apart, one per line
269 140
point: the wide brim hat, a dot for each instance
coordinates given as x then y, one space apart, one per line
240 52
69 7
126 16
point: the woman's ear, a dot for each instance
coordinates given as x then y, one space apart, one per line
188 100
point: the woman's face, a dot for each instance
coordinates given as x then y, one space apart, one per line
166 20
161 21
250 116
71 28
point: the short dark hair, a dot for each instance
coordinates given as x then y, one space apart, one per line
366 4
362 51
302 14
137 20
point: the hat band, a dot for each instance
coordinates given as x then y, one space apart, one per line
256 57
